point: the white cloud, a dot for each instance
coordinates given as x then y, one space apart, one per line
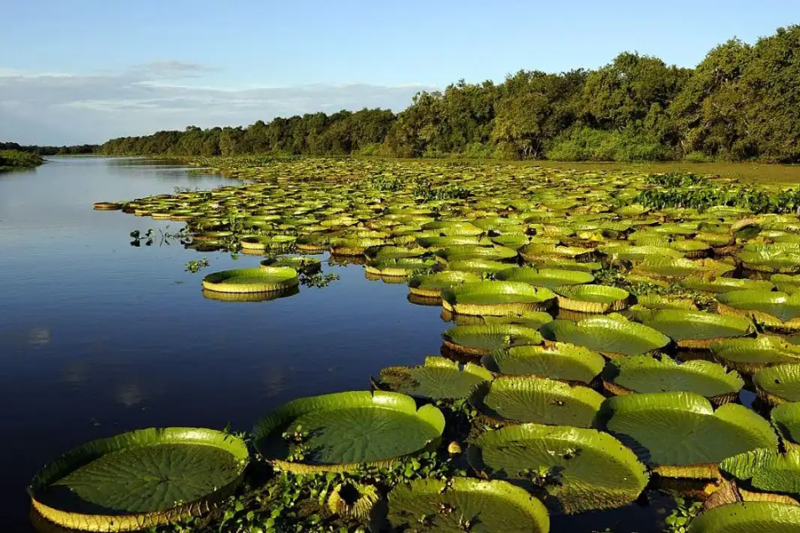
58 108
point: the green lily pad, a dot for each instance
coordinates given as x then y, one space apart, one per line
749 517
774 310
545 277
645 374
250 280
465 504
749 355
561 361
497 298
432 285
338 432
592 298
143 478
398 268
493 253
778 384
680 435
480 340
785 283
536 399
679 268
721 285
477 266
786 418
607 335
576 469
437 379
307 265
696 329
766 471
639 253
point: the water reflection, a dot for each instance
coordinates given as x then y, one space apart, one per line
249 297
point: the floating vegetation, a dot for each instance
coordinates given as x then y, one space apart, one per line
603 326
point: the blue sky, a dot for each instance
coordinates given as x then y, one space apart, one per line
86 70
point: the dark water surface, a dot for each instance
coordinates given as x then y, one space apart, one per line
98 337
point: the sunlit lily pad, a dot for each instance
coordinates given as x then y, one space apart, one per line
437 379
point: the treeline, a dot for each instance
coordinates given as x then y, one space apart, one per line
82 149
15 159
742 102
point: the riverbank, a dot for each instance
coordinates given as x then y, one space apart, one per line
16 160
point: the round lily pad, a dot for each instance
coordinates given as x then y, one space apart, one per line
721 285
249 280
747 355
677 268
644 374
338 432
778 384
766 472
480 340
139 479
398 268
749 517
776 311
432 285
680 435
465 504
437 379
609 335
536 399
497 298
696 329
545 277
307 265
786 418
592 298
576 469
561 361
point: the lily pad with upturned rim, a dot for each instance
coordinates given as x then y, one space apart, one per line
776 311
778 384
497 298
536 399
140 479
347 429
481 339
696 329
545 277
679 434
748 517
560 361
786 418
645 374
766 475
747 355
447 506
592 298
252 280
432 285
577 470
611 336
438 379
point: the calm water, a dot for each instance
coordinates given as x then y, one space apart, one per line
98 337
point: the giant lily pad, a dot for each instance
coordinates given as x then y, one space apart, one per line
545 277
778 384
592 298
766 471
437 379
493 253
720 285
432 285
771 259
338 432
561 361
749 355
465 504
497 298
786 418
639 253
696 329
749 517
576 469
680 435
774 310
643 374
477 266
536 399
251 280
612 336
481 339
139 479
398 268
678 268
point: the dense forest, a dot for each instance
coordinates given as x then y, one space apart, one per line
82 149
742 102
15 159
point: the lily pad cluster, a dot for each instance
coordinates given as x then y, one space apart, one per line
595 347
